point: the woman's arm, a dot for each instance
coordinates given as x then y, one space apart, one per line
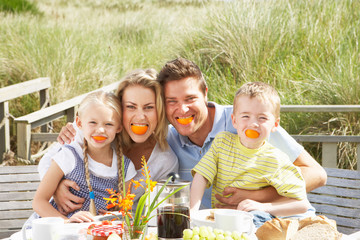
45 190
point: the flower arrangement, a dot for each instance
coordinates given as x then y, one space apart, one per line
145 206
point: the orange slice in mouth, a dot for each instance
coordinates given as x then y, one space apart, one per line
99 138
185 121
252 133
139 129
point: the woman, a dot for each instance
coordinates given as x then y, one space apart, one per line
144 134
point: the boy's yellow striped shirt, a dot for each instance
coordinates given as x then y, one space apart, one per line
229 163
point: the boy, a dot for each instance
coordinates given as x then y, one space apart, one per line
246 160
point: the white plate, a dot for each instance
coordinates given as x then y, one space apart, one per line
198 218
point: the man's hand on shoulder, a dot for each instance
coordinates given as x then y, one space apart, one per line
67 134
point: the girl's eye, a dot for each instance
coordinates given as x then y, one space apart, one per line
109 124
92 122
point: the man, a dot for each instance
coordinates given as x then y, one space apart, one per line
194 124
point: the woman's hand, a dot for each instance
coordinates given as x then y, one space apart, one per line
67 134
80 217
65 200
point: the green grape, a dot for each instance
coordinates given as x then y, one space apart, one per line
195 237
210 229
203 231
220 237
218 231
202 238
196 231
228 238
187 238
244 236
236 235
211 236
187 233
227 234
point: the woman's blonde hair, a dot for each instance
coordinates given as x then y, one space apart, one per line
146 78
108 100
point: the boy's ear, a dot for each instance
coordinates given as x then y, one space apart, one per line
78 122
233 120
277 122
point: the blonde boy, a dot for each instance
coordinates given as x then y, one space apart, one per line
246 160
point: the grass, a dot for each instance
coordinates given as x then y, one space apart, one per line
309 50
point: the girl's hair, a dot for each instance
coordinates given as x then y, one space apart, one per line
146 78
108 100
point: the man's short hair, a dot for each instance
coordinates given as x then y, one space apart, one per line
262 91
181 68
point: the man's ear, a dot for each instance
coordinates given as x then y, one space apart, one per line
78 122
277 122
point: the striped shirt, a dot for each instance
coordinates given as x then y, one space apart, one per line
230 164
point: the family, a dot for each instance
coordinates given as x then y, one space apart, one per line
236 156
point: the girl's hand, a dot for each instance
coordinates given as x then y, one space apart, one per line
81 216
251 205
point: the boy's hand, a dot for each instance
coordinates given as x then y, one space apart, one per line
251 205
65 200
81 216
67 134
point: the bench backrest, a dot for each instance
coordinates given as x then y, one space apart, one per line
339 199
17 188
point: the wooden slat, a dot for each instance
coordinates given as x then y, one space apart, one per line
24 88
346 202
336 210
7 233
33 177
15 205
44 137
13 187
326 138
320 108
18 169
12 223
331 172
16 214
346 230
16 196
345 192
53 110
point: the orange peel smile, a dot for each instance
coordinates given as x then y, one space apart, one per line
99 138
185 121
140 130
252 133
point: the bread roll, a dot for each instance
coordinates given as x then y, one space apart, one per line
317 219
278 229
317 231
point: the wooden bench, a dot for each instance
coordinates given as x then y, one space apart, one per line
339 199
17 188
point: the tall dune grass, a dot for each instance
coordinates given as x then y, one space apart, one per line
307 49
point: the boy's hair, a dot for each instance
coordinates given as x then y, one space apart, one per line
261 91
111 101
146 78
179 69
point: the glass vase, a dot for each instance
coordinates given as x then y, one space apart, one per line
135 232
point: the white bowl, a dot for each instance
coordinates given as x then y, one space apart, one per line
198 218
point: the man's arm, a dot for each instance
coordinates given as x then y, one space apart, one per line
313 174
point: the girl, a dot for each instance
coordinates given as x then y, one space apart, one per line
94 165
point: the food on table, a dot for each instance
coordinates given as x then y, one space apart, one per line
105 229
208 233
311 228
211 217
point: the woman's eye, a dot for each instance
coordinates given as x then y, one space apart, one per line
130 107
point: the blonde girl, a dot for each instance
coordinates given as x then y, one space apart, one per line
94 165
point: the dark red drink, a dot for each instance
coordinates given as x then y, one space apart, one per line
172 220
